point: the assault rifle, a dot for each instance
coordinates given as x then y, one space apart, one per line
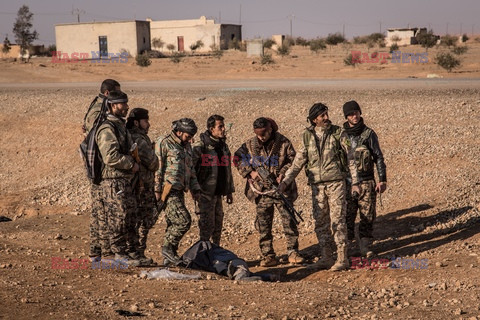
269 179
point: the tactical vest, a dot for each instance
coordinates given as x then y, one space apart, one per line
362 155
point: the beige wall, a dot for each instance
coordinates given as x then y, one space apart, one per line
404 35
83 37
192 31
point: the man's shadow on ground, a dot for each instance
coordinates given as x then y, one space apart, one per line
398 224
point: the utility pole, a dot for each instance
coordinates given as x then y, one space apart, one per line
220 17
291 23
472 29
447 28
77 12
343 32
240 20
380 26
461 29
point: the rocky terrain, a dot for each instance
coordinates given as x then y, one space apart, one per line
431 209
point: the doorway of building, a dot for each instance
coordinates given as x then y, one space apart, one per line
102 42
181 47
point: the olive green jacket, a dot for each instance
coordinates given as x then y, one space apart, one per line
148 159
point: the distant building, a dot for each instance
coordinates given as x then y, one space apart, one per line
184 33
15 51
93 40
403 36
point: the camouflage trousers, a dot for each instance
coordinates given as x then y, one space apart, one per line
97 218
177 217
329 211
119 206
145 219
264 222
366 205
210 219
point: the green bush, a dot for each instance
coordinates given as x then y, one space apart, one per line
267 59
394 47
284 49
317 45
268 43
350 61
197 45
335 38
465 38
427 39
447 61
171 47
460 50
143 60
177 57
299 41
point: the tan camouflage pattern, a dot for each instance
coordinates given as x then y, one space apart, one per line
264 222
365 205
177 217
97 208
92 115
329 211
176 165
119 208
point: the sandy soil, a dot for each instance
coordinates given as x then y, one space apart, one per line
430 211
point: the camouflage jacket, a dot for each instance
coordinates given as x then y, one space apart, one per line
206 162
114 143
322 156
92 113
148 158
176 164
277 157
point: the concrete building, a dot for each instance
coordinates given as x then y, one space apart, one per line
403 36
93 40
184 33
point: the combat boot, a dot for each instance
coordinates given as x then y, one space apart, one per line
365 244
123 258
325 262
342 262
170 254
353 250
268 261
144 261
295 258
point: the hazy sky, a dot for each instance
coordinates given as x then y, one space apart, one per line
310 18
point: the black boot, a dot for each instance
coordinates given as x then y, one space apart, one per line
170 254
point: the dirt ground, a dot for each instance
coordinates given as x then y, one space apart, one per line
431 209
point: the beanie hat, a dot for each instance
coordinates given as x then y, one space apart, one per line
138 114
349 107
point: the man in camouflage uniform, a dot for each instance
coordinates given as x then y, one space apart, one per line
99 243
211 160
176 170
147 214
364 150
114 143
326 167
275 152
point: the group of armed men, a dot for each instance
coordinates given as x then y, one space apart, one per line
338 161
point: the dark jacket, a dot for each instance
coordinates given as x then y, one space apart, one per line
371 142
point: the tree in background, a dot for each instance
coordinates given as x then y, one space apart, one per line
6 45
22 29
427 39
158 43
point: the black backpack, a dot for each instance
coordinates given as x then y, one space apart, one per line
88 148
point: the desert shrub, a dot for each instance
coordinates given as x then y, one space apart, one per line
284 49
460 50
158 43
143 60
381 43
197 45
289 40
376 37
317 45
299 41
177 57
447 61
370 44
170 47
360 39
216 52
427 39
393 47
448 40
465 37
155 54
51 48
267 59
350 60
335 38
395 38
268 43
